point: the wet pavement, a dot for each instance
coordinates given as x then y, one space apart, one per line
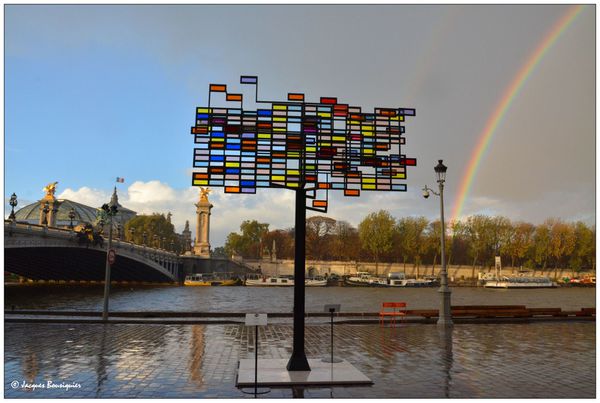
535 360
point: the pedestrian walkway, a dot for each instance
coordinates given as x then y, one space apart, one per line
537 360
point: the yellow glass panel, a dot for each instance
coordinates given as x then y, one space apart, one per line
277 178
292 184
202 110
338 138
324 114
368 180
279 119
399 176
293 172
293 154
280 107
369 187
232 164
200 182
279 129
368 151
311 149
217 139
264 136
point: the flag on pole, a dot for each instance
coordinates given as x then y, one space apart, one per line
120 180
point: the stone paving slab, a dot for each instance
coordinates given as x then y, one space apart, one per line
273 372
537 360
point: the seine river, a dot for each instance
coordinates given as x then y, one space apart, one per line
280 299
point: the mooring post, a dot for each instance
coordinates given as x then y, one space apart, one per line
298 361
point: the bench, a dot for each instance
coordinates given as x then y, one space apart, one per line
392 310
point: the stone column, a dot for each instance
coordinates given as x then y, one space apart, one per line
203 207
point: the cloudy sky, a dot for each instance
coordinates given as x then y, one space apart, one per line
96 92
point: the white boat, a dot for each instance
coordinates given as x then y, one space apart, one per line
413 282
519 282
315 282
365 279
277 281
285 281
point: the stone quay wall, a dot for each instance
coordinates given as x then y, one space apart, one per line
455 272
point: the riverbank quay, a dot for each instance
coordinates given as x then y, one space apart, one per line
461 314
529 360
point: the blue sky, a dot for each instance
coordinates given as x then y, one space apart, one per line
96 92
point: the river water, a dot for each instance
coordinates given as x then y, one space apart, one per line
279 299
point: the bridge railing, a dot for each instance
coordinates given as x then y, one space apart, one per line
13 227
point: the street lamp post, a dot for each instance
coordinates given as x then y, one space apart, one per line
131 233
445 316
13 203
144 236
71 217
155 238
108 211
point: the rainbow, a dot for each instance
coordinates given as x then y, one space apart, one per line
508 97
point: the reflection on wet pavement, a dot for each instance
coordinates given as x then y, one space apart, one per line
549 360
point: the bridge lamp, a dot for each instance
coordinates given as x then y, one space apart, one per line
144 236
119 230
71 217
172 246
13 203
164 243
108 212
131 233
445 316
46 209
155 238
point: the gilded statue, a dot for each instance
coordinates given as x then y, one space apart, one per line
50 189
204 194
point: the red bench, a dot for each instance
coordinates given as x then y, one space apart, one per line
393 310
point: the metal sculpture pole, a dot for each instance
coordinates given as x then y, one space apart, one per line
298 361
312 148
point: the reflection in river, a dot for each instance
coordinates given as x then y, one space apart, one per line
197 345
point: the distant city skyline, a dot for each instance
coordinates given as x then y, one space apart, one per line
504 94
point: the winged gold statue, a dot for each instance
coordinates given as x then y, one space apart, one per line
50 189
204 194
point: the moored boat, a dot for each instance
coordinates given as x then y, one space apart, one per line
209 280
413 282
365 279
276 281
519 282
315 282
284 281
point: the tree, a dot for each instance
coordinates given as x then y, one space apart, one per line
219 252
376 232
319 231
584 252
250 243
156 226
412 240
476 231
541 241
562 241
519 242
346 243
283 241
434 242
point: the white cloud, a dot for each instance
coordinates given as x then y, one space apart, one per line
85 195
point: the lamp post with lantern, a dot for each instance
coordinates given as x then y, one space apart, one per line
13 203
445 316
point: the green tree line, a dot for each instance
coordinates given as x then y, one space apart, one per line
554 244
